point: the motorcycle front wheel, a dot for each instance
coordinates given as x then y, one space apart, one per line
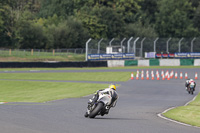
96 110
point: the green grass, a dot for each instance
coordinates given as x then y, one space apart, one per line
78 76
98 68
21 91
189 114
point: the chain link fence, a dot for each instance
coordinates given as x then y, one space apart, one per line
141 45
41 52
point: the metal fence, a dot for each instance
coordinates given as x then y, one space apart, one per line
41 52
141 45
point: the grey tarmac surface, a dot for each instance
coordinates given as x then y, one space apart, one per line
139 103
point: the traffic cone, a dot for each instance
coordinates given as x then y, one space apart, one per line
152 76
147 72
138 72
132 76
158 77
152 72
181 75
168 77
142 72
142 76
147 76
162 73
157 72
137 76
163 77
176 75
172 74
186 76
166 74
196 77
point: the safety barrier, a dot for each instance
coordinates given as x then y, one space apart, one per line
52 64
163 62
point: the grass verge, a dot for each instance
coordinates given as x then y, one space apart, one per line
83 76
25 91
189 114
104 68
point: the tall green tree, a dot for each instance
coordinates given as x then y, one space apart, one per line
173 19
67 34
102 22
62 8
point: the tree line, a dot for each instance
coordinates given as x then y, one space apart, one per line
48 24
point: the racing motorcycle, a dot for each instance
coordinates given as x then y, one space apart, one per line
190 88
100 107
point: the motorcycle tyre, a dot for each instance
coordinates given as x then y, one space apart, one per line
86 114
192 91
96 110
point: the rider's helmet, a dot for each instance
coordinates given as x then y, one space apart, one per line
191 80
112 86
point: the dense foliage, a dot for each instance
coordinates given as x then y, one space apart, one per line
69 23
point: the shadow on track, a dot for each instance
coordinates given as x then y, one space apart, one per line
124 119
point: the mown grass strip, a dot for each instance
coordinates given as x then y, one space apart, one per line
83 76
189 114
27 91
101 68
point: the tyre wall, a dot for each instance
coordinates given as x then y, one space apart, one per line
52 64
163 62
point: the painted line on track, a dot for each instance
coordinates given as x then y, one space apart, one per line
181 123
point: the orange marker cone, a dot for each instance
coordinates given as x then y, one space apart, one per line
138 72
147 76
186 76
137 76
132 76
181 75
168 77
158 77
162 73
196 76
176 75
152 76
163 77
166 74
142 76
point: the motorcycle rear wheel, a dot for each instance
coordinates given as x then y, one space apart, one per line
96 110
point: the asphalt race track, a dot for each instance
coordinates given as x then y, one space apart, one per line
136 111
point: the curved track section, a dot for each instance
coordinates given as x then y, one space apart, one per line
136 111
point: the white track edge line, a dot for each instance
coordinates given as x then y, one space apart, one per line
181 123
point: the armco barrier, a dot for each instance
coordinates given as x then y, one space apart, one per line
115 63
131 63
52 64
169 62
197 62
186 62
154 62
143 62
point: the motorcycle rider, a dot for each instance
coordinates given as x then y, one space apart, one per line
111 91
188 82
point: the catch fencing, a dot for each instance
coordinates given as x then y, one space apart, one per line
140 45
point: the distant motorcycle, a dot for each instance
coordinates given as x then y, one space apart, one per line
190 88
100 107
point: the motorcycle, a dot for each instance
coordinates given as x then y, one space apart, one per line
100 107
190 88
